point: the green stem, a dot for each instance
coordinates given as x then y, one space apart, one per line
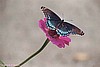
30 57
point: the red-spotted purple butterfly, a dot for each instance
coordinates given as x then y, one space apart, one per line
55 23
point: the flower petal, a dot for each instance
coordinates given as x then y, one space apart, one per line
65 38
60 43
42 24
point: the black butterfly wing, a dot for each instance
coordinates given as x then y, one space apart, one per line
52 18
65 29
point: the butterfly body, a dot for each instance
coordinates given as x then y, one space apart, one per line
55 23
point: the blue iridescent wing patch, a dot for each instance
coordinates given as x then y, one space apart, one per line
52 24
55 23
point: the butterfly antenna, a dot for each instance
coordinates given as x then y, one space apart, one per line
69 20
63 16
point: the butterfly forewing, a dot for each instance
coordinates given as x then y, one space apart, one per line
66 28
52 18
50 14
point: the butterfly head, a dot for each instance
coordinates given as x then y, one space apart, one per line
62 20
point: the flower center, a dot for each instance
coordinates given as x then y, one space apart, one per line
53 33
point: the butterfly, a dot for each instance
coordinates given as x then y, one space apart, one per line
55 23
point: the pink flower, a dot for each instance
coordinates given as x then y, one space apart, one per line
52 35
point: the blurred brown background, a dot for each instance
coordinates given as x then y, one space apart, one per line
20 35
